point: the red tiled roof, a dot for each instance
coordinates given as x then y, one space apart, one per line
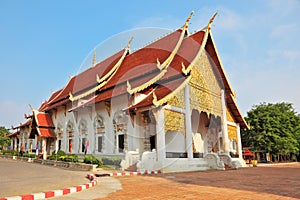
144 60
141 66
87 78
43 120
161 91
57 104
42 124
14 134
46 132
27 123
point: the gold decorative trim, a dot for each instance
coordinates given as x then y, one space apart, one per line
171 95
211 20
178 100
174 121
232 132
186 70
94 58
31 108
167 62
147 84
103 81
186 25
117 65
72 98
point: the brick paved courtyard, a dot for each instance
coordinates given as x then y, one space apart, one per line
272 182
263 182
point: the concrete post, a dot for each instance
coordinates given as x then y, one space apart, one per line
239 141
160 134
188 124
224 124
44 150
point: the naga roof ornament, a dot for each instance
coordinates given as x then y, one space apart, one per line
186 70
163 67
170 95
103 81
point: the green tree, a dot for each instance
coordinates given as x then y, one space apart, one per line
4 139
274 128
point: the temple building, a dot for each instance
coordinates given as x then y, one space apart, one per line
167 106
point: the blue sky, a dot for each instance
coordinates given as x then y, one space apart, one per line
42 43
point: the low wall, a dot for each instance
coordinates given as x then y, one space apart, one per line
61 164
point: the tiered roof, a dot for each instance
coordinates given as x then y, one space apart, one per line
155 70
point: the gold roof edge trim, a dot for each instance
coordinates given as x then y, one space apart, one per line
103 81
117 65
72 98
171 95
167 62
147 84
237 108
186 70
63 89
221 66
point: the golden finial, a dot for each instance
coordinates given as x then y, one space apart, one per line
94 58
128 87
154 99
129 43
234 94
98 78
211 20
186 25
71 97
31 108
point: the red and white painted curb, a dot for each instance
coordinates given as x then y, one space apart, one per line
53 193
129 173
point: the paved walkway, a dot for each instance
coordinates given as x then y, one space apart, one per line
268 182
18 178
263 182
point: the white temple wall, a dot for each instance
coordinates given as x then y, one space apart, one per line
175 142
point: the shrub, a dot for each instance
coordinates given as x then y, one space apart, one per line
10 152
57 155
92 160
69 158
29 155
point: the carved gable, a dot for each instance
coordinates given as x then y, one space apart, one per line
205 92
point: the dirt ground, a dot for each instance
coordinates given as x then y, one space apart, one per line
262 182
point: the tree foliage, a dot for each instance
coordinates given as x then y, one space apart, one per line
274 128
4 139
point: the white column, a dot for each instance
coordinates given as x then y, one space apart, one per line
224 124
160 137
15 144
188 123
11 144
44 150
239 141
19 145
56 144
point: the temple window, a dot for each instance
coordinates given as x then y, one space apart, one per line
70 131
120 123
99 133
83 130
59 134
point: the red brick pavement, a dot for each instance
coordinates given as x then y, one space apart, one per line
271 182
